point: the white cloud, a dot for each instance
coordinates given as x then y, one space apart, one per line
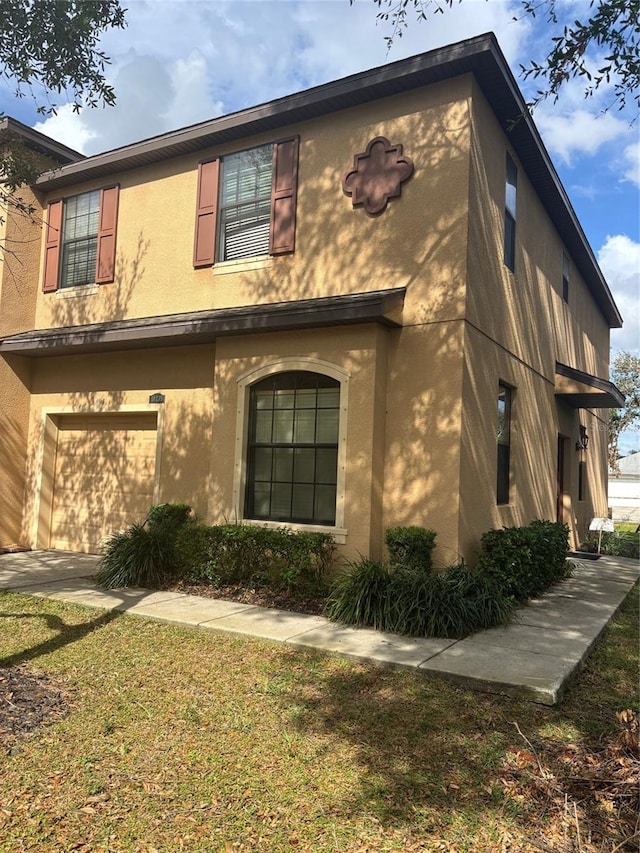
183 61
631 155
67 127
619 259
578 132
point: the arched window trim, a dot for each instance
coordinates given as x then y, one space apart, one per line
245 381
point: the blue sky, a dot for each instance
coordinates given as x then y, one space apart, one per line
183 61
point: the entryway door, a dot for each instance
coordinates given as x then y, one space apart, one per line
562 456
103 477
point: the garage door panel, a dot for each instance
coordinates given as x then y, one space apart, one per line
104 477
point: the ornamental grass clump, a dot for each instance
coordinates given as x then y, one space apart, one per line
145 554
359 595
452 603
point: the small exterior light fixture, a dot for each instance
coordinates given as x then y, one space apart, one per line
156 398
583 441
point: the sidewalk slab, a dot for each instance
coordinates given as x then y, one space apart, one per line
370 645
605 588
189 609
557 642
527 675
281 625
616 568
573 614
533 658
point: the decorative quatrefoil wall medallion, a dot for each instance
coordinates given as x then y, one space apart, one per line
377 175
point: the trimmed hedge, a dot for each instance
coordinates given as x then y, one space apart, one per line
524 561
410 547
242 553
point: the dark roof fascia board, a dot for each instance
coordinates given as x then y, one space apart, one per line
205 326
480 56
608 396
40 142
363 87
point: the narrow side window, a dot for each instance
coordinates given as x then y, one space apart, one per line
565 277
511 190
504 444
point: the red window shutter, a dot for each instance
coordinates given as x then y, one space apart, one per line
204 244
282 233
52 247
106 260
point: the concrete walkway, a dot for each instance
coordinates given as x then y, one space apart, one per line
533 658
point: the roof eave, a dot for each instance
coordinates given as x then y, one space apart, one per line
202 327
480 56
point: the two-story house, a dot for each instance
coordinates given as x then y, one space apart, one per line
366 304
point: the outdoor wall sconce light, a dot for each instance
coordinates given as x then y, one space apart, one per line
156 398
583 441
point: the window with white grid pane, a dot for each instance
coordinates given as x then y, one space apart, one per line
80 239
245 203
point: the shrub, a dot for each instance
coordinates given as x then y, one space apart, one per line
410 547
359 595
242 553
616 544
452 603
168 516
525 560
139 556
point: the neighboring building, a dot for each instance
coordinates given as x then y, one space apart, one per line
363 305
624 490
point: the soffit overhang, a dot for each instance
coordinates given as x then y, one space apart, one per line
480 56
203 327
39 142
581 390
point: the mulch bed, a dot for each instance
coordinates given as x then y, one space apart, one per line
27 701
260 596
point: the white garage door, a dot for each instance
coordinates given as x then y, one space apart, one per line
103 477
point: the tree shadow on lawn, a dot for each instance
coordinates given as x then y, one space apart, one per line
65 634
424 746
433 754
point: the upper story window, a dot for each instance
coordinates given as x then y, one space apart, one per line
504 444
80 239
565 277
80 245
510 195
246 204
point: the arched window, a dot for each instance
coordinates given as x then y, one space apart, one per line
292 448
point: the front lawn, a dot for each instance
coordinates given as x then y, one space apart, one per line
166 739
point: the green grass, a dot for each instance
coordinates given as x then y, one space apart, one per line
179 739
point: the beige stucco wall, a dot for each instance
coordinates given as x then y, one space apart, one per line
19 262
519 326
421 416
524 311
339 249
124 381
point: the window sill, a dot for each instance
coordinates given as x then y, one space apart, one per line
81 290
339 534
242 265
